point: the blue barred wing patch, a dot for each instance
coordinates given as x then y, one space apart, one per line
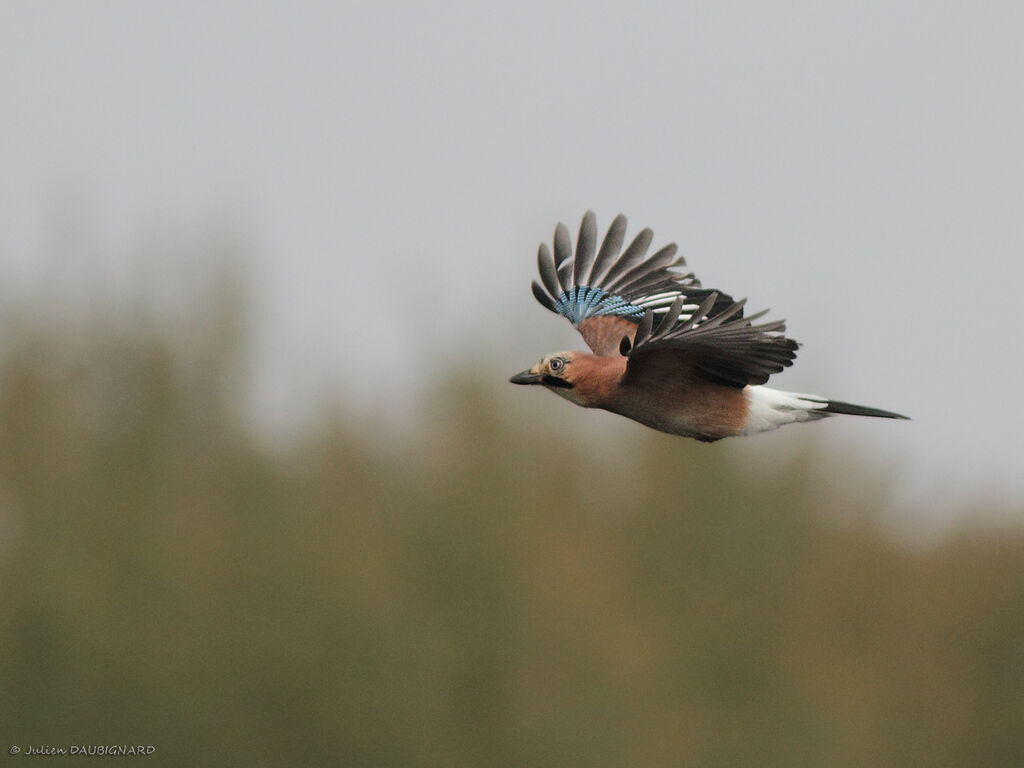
581 302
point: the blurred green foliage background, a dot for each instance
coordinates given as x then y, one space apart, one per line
478 589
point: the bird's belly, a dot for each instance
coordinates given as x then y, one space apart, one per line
673 424
706 414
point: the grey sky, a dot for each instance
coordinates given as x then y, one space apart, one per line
857 168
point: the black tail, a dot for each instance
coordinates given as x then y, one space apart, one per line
835 406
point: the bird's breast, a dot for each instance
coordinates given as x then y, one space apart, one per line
699 409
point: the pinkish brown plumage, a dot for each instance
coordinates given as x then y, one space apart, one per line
666 352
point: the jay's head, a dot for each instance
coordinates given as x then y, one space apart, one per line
555 372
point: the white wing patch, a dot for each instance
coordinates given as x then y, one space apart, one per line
661 302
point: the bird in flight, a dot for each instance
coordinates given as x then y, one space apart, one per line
665 352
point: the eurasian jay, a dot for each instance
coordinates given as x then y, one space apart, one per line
666 352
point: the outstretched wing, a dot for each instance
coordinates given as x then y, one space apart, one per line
716 345
606 292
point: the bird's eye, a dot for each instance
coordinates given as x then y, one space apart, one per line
557 364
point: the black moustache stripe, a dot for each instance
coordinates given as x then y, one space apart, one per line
553 381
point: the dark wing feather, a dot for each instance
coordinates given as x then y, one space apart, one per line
610 248
604 288
645 270
586 243
668 320
718 345
563 256
542 296
565 275
548 273
634 252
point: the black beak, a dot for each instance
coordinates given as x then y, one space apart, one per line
526 378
